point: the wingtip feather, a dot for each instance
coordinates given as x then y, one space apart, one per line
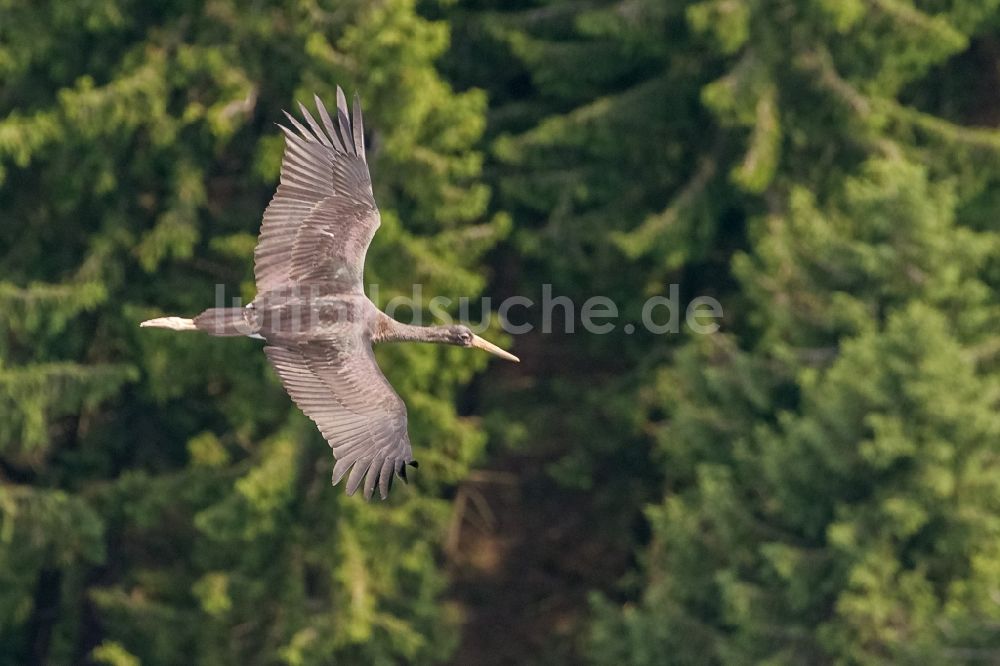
358 126
370 478
339 470
357 475
317 130
328 123
385 478
344 122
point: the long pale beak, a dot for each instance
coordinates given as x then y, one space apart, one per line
479 343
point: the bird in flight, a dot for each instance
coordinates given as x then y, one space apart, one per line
311 308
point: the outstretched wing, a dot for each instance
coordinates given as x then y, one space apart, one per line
350 400
323 216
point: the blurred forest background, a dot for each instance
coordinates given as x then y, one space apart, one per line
816 483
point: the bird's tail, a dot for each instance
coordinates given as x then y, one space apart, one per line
221 322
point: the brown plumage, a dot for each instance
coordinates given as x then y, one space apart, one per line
311 307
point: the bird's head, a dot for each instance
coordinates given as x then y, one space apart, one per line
464 337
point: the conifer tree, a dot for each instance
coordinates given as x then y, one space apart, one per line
823 463
162 500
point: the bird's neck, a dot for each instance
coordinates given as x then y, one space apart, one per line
390 330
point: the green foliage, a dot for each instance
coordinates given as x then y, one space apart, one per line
815 483
164 503
826 460
819 485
